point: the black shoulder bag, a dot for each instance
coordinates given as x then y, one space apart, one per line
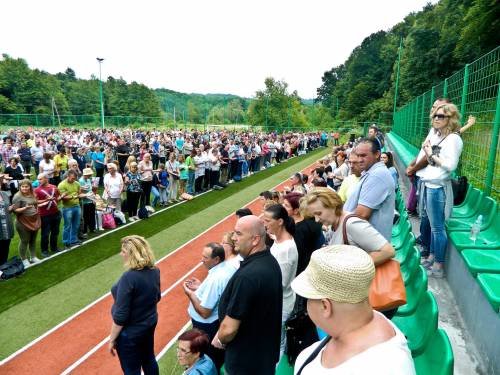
314 354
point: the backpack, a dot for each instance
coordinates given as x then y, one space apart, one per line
143 213
12 268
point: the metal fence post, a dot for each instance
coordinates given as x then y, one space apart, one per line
465 90
490 171
445 88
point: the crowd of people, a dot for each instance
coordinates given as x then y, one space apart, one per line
316 247
92 179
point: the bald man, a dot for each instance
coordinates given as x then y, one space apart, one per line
250 307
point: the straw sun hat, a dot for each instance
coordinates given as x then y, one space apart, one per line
88 172
341 273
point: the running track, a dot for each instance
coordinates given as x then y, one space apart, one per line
79 345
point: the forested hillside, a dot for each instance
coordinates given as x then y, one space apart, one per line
436 42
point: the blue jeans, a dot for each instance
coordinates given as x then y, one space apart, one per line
71 216
137 352
190 183
432 225
156 195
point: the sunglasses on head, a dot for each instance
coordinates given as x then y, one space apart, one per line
439 117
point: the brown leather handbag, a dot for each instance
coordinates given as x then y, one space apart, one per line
387 290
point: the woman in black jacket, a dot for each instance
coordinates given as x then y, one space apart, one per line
134 311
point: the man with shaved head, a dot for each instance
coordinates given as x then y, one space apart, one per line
250 307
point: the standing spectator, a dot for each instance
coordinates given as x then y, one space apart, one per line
47 166
134 191
27 221
215 165
173 177
191 353
6 225
281 228
199 161
374 197
134 311
231 255
48 196
360 340
352 180
113 187
122 153
342 170
191 172
70 192
376 134
61 165
146 171
88 205
250 307
98 163
442 149
25 155
388 160
37 155
204 296
15 172
224 167
160 186
183 176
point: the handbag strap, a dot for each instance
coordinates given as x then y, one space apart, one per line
345 240
314 354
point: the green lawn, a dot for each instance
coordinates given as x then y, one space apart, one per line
49 293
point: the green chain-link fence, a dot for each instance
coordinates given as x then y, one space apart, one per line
476 91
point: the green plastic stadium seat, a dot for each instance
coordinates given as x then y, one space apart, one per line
470 205
399 241
490 284
284 367
411 265
488 239
421 325
402 228
482 261
488 208
403 253
415 288
437 359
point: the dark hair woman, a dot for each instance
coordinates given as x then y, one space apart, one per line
192 346
6 225
388 160
134 311
281 227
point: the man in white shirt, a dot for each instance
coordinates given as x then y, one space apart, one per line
336 283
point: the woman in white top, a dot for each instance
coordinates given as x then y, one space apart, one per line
281 228
342 170
231 255
113 186
48 167
146 171
443 148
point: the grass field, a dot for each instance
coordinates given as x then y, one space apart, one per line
53 291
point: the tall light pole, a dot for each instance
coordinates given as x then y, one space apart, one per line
100 60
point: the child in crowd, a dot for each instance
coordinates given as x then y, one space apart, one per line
183 177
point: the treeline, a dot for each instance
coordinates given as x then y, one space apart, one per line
436 42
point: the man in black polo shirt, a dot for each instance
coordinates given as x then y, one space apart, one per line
250 307
122 152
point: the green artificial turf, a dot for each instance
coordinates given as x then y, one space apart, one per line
51 292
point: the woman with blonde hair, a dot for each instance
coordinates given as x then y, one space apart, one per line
131 159
327 207
442 148
134 311
28 221
231 255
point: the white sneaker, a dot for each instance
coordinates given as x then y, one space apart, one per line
35 260
101 228
131 219
136 217
26 263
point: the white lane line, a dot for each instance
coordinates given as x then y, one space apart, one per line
106 339
30 344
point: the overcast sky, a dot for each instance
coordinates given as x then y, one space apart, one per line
217 46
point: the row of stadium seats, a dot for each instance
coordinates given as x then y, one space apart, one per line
418 319
482 256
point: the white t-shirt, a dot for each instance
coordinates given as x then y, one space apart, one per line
287 256
391 357
114 185
360 233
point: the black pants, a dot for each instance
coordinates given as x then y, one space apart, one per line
136 353
155 159
133 203
4 251
206 181
146 192
88 217
99 172
214 178
211 329
50 232
234 168
198 184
